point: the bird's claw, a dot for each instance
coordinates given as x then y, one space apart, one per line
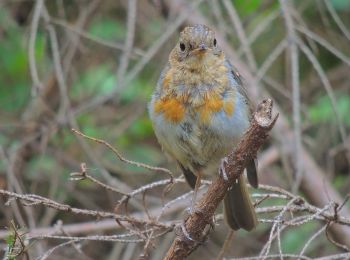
185 233
222 170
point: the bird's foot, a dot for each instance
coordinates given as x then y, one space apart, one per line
185 232
222 170
193 203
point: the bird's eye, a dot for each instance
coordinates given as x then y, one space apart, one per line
182 46
214 42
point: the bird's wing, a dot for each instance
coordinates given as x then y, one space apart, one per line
253 164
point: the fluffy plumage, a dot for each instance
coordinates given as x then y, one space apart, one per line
199 111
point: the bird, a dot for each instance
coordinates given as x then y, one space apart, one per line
199 111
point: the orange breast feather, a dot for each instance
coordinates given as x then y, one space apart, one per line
172 109
229 107
211 105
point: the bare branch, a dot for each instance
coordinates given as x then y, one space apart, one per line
293 53
128 44
33 200
37 84
120 157
247 148
337 19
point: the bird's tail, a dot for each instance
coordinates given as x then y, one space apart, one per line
238 208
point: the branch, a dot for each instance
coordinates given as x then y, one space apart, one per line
33 200
247 148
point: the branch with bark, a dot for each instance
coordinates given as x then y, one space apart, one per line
192 229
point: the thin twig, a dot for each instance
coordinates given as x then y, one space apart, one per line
226 245
313 237
49 252
128 44
317 66
337 19
135 51
236 21
272 56
120 157
330 47
77 176
38 200
37 84
337 244
260 28
293 52
266 249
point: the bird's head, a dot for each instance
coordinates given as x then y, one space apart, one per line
196 45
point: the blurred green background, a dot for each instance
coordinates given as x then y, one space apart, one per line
109 103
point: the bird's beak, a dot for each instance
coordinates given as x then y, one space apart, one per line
202 47
200 51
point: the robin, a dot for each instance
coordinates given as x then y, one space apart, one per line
199 111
